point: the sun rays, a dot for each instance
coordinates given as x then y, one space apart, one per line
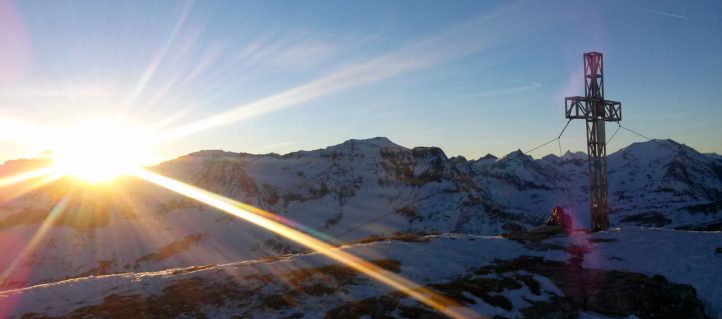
418 55
81 168
7 273
266 220
99 150
22 177
21 183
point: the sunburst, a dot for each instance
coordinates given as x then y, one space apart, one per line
100 149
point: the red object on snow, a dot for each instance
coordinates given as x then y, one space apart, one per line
560 218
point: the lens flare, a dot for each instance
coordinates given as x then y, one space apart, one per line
264 219
22 177
7 273
22 183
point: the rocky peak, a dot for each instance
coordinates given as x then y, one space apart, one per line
515 157
550 158
568 155
375 142
488 157
458 160
211 153
429 152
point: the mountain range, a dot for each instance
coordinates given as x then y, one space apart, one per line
357 191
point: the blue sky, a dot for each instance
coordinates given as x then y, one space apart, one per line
472 77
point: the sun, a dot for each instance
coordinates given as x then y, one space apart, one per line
100 149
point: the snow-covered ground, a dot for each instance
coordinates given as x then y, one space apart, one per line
688 257
682 257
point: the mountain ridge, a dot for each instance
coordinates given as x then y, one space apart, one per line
347 192
381 141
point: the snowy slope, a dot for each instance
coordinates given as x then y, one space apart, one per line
659 183
347 192
612 274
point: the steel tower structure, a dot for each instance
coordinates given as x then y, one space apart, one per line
593 108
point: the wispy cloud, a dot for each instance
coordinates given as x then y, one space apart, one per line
662 13
526 86
300 48
305 53
212 70
155 63
472 36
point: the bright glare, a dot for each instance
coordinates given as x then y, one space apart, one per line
266 220
100 149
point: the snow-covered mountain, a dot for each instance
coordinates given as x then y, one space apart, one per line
347 192
659 183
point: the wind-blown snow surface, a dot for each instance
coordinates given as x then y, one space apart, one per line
347 192
688 257
313 286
